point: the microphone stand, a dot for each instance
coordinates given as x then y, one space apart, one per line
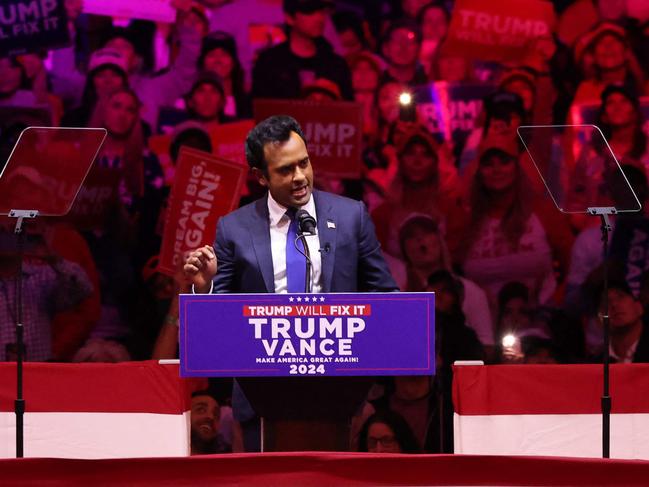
307 256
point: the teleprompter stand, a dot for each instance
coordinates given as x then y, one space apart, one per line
582 175
44 173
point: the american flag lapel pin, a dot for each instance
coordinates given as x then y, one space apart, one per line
331 224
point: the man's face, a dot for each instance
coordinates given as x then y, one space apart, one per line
205 417
402 49
289 175
624 309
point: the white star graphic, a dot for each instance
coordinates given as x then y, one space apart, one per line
322 299
299 299
291 299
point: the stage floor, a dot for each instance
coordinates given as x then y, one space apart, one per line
325 469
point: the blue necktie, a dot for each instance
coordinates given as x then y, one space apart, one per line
295 261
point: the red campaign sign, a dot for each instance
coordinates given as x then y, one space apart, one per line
497 31
205 188
333 131
228 142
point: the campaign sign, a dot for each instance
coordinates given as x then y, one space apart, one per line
228 142
333 131
206 187
450 110
630 245
155 10
32 25
497 31
334 334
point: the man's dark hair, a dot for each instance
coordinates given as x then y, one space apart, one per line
206 392
191 137
277 128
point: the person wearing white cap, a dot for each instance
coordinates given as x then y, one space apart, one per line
107 72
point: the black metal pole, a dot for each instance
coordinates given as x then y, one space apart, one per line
19 404
606 398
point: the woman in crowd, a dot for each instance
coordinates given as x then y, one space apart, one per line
106 74
433 19
387 432
605 57
425 252
621 122
511 235
121 224
14 84
415 182
219 56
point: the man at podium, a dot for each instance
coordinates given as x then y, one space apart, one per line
255 247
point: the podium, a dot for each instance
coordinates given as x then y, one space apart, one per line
305 413
306 362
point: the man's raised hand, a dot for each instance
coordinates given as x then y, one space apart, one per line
200 268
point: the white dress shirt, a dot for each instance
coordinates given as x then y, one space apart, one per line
279 223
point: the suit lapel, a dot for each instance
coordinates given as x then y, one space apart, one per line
260 233
327 235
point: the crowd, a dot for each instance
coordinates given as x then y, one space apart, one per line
516 280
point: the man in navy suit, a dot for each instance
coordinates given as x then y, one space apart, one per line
251 241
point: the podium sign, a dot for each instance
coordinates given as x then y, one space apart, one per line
266 335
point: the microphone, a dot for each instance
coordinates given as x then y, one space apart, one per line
306 223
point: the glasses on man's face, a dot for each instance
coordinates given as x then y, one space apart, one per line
385 441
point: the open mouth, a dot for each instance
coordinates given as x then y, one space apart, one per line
300 192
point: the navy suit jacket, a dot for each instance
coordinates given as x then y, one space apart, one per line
351 254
